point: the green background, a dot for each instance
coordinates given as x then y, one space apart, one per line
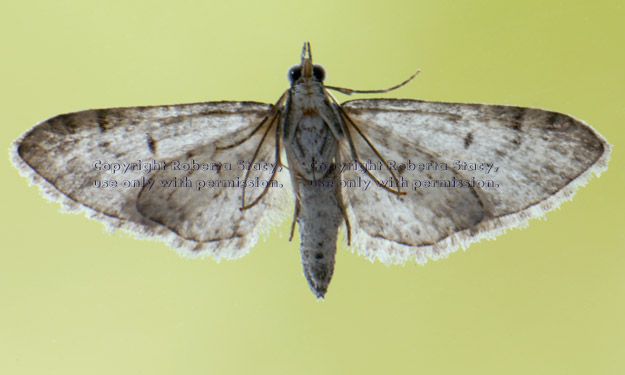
549 299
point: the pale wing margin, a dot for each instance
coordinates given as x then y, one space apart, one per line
542 158
60 156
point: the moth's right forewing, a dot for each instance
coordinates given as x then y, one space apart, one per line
536 153
69 155
536 158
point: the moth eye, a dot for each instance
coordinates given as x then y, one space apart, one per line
319 72
294 73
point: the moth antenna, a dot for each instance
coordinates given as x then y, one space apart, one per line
347 91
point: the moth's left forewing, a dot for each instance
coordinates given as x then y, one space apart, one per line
535 159
71 157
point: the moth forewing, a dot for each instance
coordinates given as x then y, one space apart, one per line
509 164
122 167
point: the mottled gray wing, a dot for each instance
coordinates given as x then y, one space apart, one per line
504 165
73 158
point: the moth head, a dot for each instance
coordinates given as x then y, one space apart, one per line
297 71
306 69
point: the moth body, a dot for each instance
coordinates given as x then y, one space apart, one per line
312 133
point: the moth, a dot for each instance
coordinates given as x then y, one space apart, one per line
404 179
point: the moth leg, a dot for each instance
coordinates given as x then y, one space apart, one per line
346 120
278 162
295 215
339 199
313 169
274 111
